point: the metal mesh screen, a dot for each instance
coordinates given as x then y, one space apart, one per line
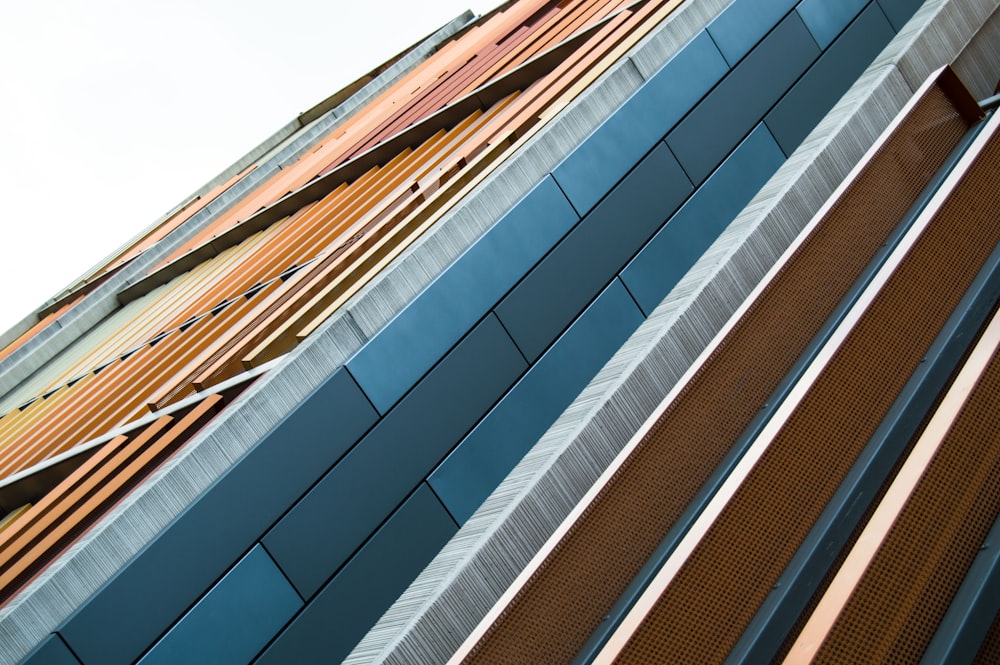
876 500
567 597
704 611
894 612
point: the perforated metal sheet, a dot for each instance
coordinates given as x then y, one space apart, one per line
853 538
702 614
894 612
560 606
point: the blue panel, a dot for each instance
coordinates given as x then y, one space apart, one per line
827 18
586 260
900 11
486 456
799 111
322 531
593 168
395 359
119 622
679 244
703 139
234 620
744 23
51 651
327 630
964 627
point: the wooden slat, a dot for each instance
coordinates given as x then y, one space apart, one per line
83 497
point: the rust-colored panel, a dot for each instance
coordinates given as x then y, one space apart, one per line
92 407
13 516
362 226
345 238
420 84
455 84
565 598
385 250
437 87
73 506
704 611
43 440
877 532
21 419
342 240
582 15
41 513
931 523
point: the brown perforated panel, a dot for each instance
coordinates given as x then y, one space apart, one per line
873 505
702 614
556 611
895 611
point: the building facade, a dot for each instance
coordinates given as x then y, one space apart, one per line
650 331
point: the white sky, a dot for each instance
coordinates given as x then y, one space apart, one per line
112 112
